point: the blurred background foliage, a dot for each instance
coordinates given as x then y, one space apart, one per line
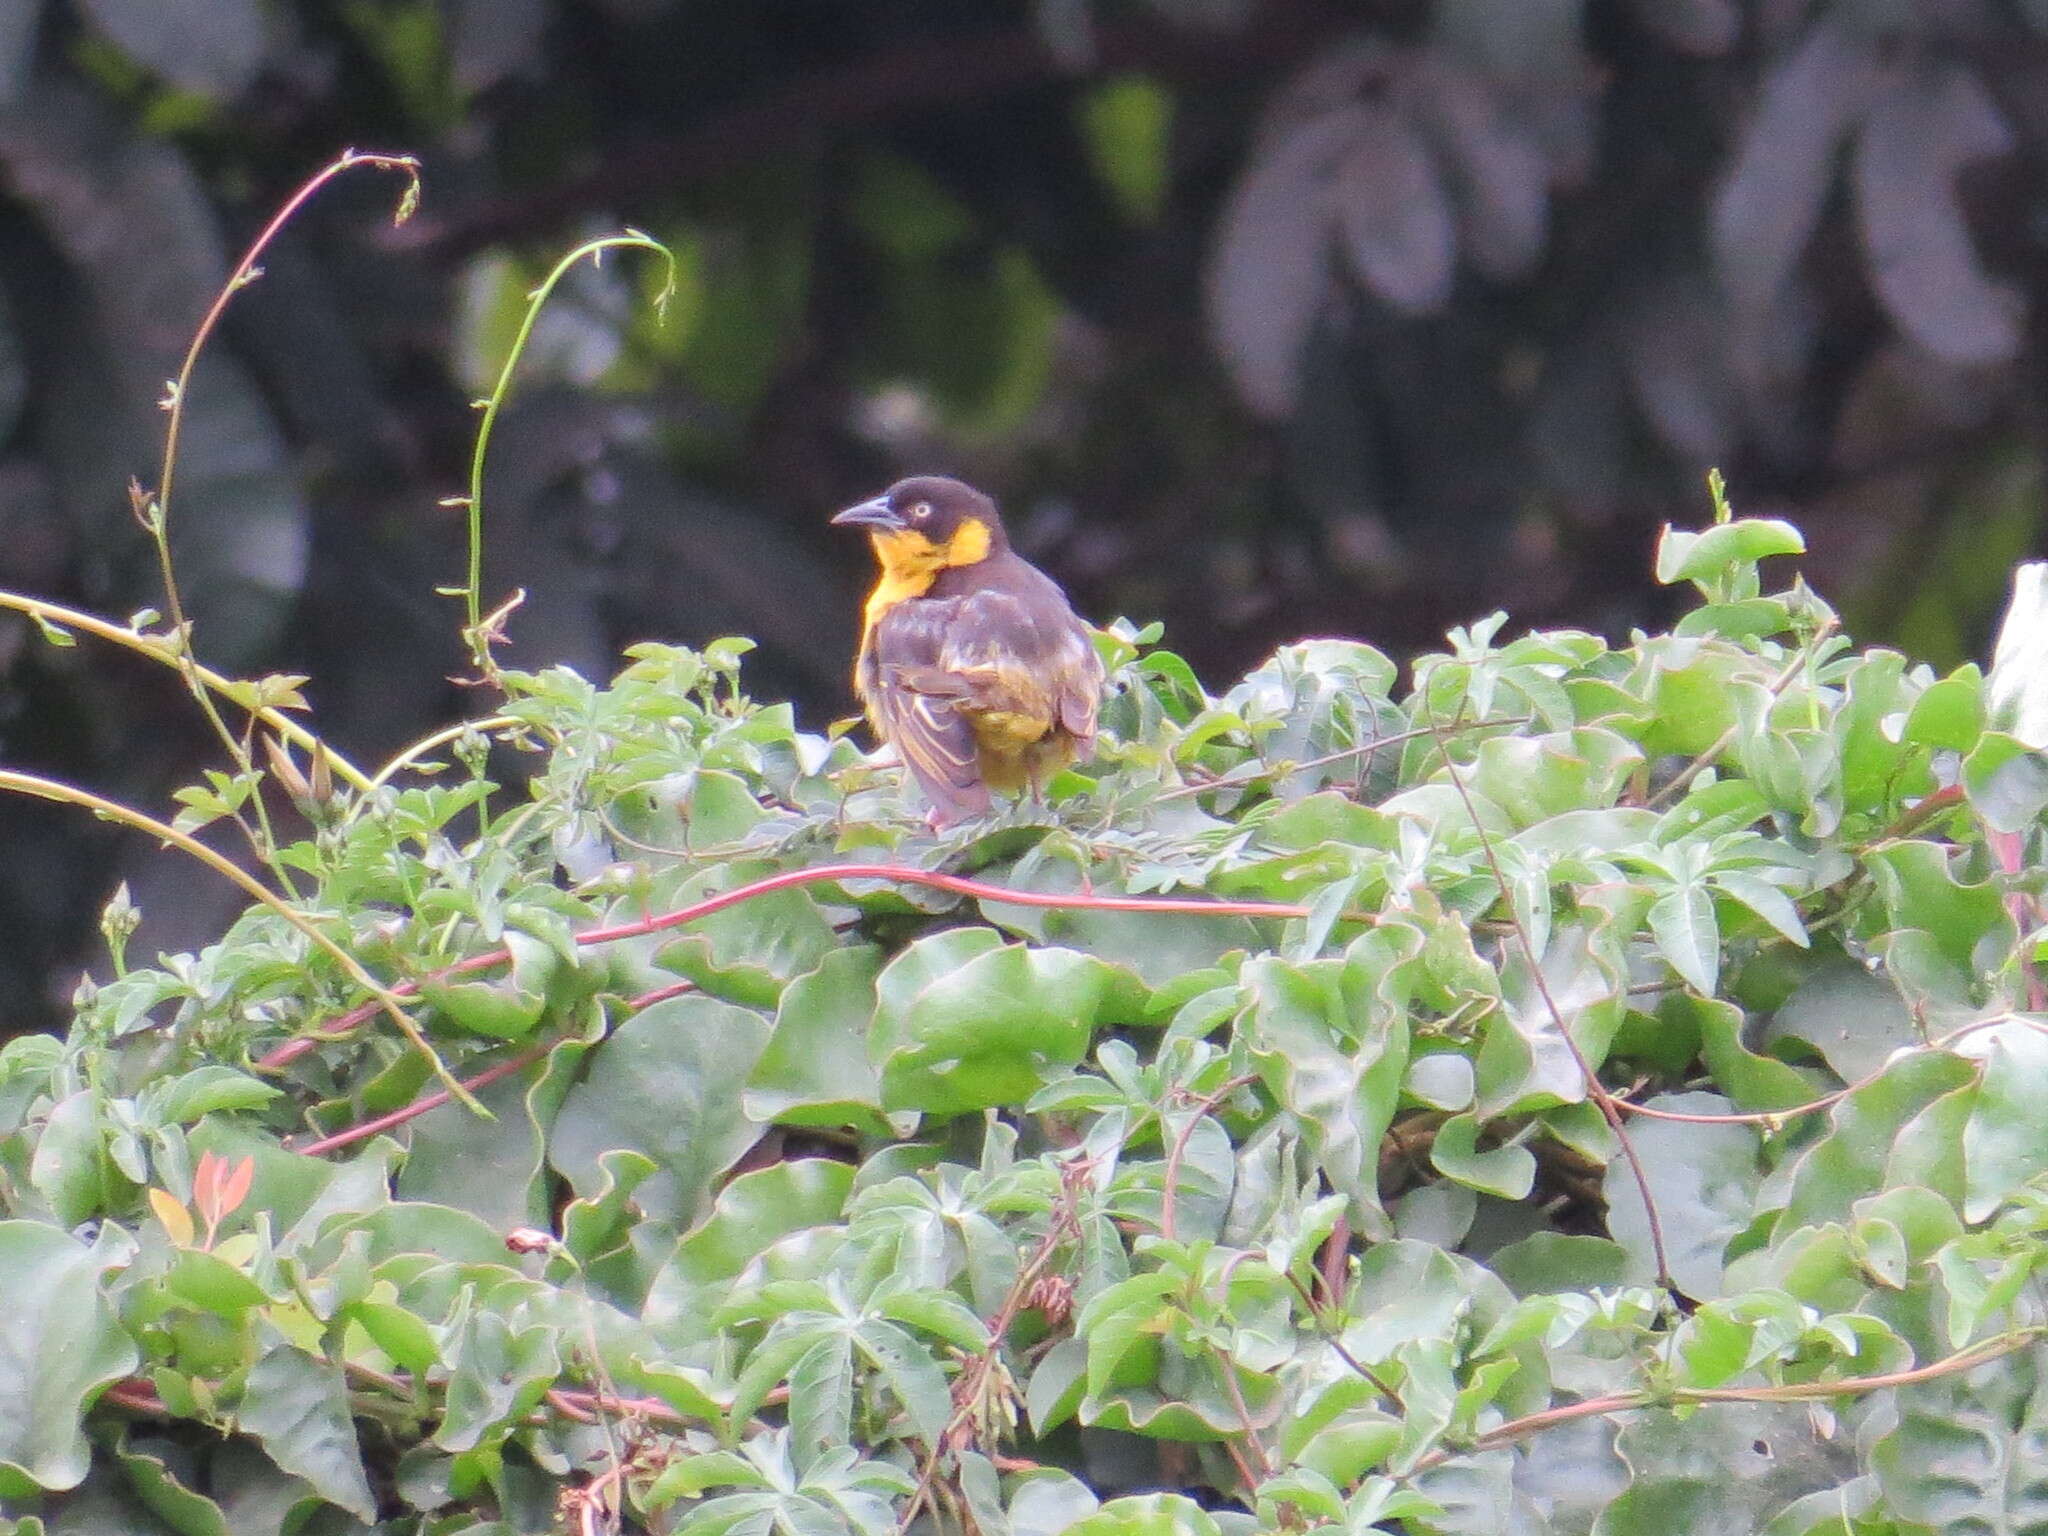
1264 317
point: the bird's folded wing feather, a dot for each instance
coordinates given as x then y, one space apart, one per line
1022 658
940 664
926 724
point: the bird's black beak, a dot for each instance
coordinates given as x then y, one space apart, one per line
870 514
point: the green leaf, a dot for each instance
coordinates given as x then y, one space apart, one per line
160 1490
1149 1514
61 1344
1968 1453
497 1375
748 953
1766 900
1854 1019
67 1168
1687 936
1717 551
1703 1180
988 1032
1850 1161
1967 921
1546 1263
2005 1142
750 1215
1950 713
1058 1383
1749 1080
499 1010
1332 1059
597 1224
495 1169
399 1333
911 1374
689 1476
1535 778
821 1387
1524 1061
2007 781
1872 754
1345 1451
208 1281
1126 128
667 1083
1507 1172
297 1406
815 1069
939 1314
210 1088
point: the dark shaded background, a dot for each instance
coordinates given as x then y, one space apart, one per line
1263 317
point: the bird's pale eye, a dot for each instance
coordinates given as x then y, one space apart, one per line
921 511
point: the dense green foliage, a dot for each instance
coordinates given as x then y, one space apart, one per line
1260 316
818 1203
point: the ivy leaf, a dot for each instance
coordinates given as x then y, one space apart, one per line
1342 1086
2006 1140
60 1344
1703 1180
989 1032
297 1406
1507 1172
498 1373
667 1083
815 1068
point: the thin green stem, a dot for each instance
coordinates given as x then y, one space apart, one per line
475 630
1795 1392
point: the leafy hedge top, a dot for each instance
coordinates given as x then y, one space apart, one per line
1224 1129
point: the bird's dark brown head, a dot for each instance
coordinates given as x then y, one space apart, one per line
929 522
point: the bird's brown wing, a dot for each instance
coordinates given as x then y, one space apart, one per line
995 668
921 712
1077 693
1024 654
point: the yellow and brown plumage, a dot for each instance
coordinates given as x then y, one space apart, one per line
972 665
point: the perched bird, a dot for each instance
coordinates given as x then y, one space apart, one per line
972 665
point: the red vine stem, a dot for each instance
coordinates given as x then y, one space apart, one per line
435 1100
246 271
960 885
157 505
418 1107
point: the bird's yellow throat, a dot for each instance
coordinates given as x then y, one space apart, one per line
911 562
